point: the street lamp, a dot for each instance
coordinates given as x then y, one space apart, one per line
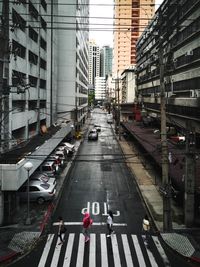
28 166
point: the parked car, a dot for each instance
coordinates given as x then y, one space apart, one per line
55 159
93 134
97 127
61 155
42 178
69 147
64 149
39 192
48 167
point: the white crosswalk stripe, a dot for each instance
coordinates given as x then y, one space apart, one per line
115 248
81 247
92 260
46 251
127 251
151 256
138 251
68 252
119 249
104 257
161 251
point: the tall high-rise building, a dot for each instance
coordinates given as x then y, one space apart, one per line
106 56
73 39
100 89
94 62
130 19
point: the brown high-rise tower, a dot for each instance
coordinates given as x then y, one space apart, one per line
130 18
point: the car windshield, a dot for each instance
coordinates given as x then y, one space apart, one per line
45 186
45 178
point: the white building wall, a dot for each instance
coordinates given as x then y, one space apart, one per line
66 59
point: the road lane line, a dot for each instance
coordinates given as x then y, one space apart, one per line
92 255
150 255
94 223
81 247
161 251
68 252
104 256
138 251
56 254
115 248
46 251
127 251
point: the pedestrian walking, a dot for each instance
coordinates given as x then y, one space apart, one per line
61 230
146 227
110 223
87 222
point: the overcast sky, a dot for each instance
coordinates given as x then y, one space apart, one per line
101 13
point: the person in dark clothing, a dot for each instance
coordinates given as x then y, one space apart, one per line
110 223
61 230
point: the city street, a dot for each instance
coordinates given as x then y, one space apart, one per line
100 181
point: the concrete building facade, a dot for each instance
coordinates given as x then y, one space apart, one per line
106 58
168 79
45 85
100 88
94 62
130 19
73 63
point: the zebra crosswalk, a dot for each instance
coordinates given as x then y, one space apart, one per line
118 251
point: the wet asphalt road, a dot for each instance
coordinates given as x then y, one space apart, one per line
99 181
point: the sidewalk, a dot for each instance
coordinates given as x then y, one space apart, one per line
18 239
181 240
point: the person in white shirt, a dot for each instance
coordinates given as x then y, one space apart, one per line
110 223
146 227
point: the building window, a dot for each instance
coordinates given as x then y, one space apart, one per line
33 34
18 21
33 58
43 24
42 84
18 49
43 64
33 11
43 44
44 4
32 81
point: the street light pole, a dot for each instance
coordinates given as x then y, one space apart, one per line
28 166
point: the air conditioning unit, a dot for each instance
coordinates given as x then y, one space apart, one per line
192 93
189 53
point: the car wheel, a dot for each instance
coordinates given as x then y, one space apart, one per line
40 200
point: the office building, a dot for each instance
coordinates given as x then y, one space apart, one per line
94 62
130 19
106 57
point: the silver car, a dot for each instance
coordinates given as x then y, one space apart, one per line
42 178
38 192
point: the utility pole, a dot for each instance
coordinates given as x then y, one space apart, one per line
117 110
189 175
166 186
